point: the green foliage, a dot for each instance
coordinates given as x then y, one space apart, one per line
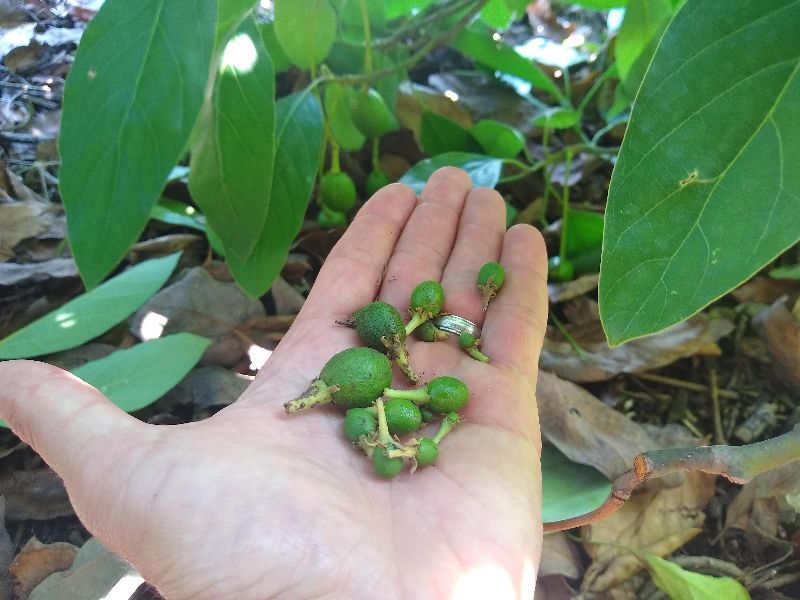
680 584
173 212
137 377
350 18
702 195
601 4
233 147
558 118
439 134
569 489
298 138
91 314
230 14
337 109
498 55
122 132
497 139
280 62
483 170
305 29
787 272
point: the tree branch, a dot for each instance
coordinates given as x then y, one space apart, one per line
738 463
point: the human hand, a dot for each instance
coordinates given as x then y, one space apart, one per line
253 503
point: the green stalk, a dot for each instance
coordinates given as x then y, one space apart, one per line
416 320
419 395
383 429
447 425
565 207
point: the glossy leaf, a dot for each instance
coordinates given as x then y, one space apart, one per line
351 20
645 21
298 139
233 148
91 314
497 139
230 13
569 489
787 272
500 56
337 107
173 212
496 14
398 8
601 4
304 27
680 584
584 232
558 118
704 192
439 134
484 171
137 377
280 62
130 103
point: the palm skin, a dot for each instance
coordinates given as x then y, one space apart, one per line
254 503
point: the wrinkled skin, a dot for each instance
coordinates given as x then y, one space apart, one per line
253 503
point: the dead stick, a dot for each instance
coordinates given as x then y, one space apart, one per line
718 434
688 385
738 463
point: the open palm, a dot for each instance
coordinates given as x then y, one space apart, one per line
253 503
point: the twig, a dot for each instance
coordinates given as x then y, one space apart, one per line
719 435
566 334
688 385
738 463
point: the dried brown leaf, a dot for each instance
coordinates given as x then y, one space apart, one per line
26 219
57 268
560 556
766 501
780 334
206 386
37 494
37 561
561 292
766 290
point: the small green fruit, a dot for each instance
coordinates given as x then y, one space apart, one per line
427 414
428 332
402 416
490 278
358 422
381 328
466 340
337 191
448 394
560 269
428 297
361 374
385 467
370 114
331 218
376 180
427 452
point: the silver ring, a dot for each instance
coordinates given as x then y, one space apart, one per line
455 325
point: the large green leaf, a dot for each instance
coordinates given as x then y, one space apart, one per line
306 29
601 4
131 100
233 147
483 170
397 8
569 489
706 190
498 139
439 134
137 377
498 55
298 140
229 14
280 62
645 21
174 212
337 108
351 19
497 15
680 584
91 314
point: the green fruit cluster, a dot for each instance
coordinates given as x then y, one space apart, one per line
360 380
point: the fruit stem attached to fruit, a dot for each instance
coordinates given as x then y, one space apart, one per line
317 393
448 423
416 320
384 438
471 345
489 291
398 353
420 395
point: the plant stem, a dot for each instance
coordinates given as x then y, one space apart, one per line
565 207
737 463
417 319
419 395
375 154
383 429
446 427
566 334
317 393
593 90
367 39
335 168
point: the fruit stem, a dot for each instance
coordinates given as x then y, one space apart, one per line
477 355
317 393
398 353
562 250
419 395
373 411
384 438
416 320
447 425
489 291
367 39
335 168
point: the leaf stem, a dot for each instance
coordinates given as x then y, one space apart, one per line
565 206
566 334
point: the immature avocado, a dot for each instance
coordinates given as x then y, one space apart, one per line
370 114
426 302
381 328
375 181
560 269
427 452
402 416
331 218
448 394
427 414
358 422
337 191
490 278
468 342
353 378
428 332
385 467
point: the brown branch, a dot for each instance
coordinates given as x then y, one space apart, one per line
688 385
738 463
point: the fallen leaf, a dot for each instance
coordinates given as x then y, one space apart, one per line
581 310
25 219
781 335
37 494
206 386
412 101
766 290
560 556
587 431
552 587
532 215
200 304
657 521
642 354
288 301
93 574
37 561
57 268
168 244
561 292
6 555
764 502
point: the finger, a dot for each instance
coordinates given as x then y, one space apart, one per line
67 422
353 270
479 240
425 245
515 322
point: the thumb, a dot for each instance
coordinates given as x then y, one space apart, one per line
66 421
